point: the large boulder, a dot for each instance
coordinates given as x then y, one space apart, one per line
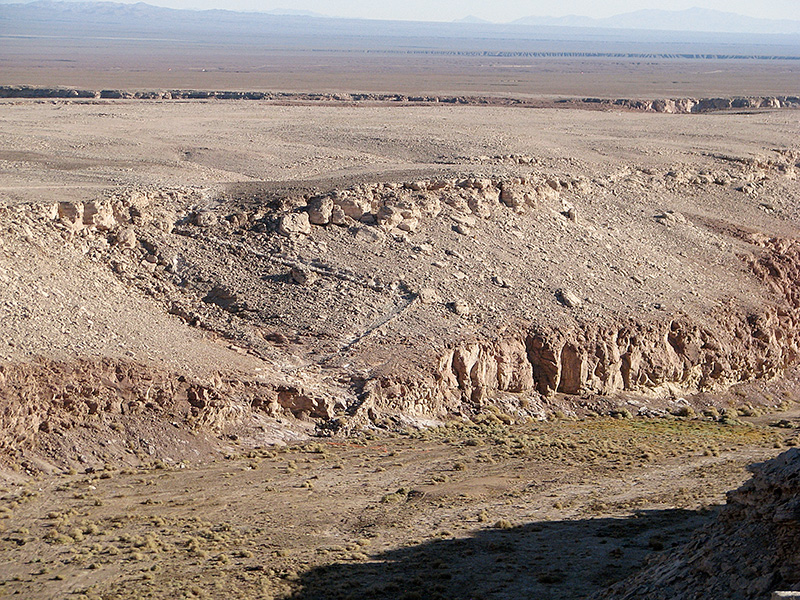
294 224
320 210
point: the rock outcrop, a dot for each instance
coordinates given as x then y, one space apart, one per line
50 398
399 208
660 105
669 357
749 552
358 278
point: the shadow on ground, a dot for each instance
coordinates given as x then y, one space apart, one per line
553 559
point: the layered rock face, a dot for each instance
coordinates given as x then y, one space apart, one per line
671 356
399 303
749 552
660 105
520 364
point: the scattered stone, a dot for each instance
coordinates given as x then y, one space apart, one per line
237 219
428 296
320 210
670 217
205 218
399 235
303 276
126 238
462 229
571 214
500 282
369 235
460 307
466 220
569 299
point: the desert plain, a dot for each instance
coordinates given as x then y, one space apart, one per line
344 346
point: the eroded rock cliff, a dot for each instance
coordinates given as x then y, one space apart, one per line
749 552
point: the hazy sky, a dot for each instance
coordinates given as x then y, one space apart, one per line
492 10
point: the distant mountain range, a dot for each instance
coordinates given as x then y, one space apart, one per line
693 32
472 19
691 19
290 12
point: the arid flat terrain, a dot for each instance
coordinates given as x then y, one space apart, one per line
434 313
117 46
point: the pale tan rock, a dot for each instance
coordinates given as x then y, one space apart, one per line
206 218
71 214
303 276
369 235
355 208
294 224
410 225
460 307
462 229
514 196
389 217
99 215
338 216
126 238
479 206
428 296
462 219
569 299
320 210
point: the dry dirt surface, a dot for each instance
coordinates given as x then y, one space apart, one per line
479 510
384 350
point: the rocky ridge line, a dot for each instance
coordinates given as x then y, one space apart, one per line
522 366
526 369
685 105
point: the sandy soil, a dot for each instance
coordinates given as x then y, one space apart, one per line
72 150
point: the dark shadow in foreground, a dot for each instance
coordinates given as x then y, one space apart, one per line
538 561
